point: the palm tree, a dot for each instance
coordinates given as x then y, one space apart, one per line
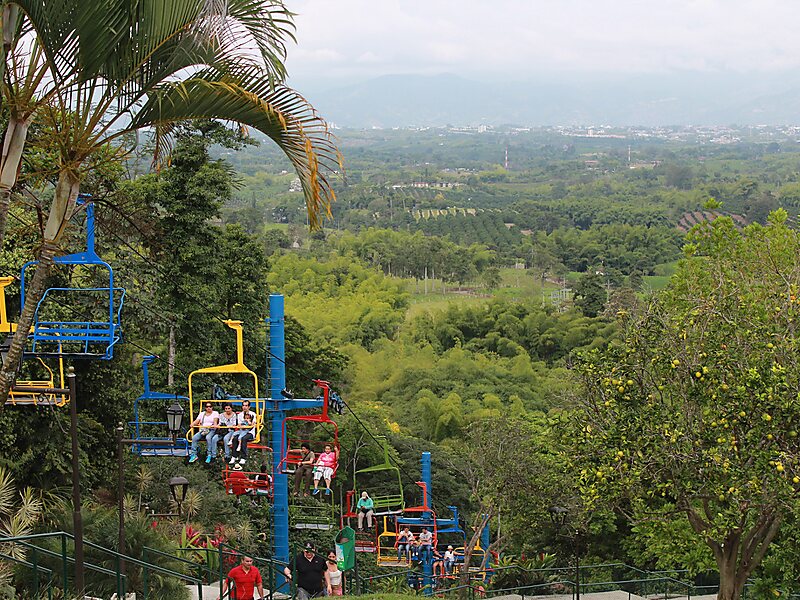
150 64
27 75
144 479
19 512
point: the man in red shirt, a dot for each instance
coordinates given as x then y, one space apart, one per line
245 577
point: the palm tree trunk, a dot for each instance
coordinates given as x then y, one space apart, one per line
10 16
64 200
13 144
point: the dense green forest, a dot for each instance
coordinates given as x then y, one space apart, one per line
521 304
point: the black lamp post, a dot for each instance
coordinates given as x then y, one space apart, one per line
174 419
178 487
560 518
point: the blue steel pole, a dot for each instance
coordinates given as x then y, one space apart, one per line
426 479
90 226
486 538
280 491
427 564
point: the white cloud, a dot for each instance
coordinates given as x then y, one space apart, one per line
520 38
369 57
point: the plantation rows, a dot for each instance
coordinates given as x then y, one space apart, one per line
692 218
481 228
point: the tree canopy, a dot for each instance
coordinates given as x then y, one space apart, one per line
697 411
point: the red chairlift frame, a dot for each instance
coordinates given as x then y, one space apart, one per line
291 457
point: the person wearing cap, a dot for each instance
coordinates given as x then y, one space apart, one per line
449 560
245 577
312 574
364 508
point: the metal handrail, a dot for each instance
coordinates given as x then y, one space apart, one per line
121 578
36 568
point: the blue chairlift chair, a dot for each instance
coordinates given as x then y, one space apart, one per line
146 430
90 336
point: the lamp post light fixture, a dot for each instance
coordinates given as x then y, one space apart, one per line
177 487
560 518
174 419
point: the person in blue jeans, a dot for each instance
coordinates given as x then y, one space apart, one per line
206 425
425 542
228 428
405 540
246 432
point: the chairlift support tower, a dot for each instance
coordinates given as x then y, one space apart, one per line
277 408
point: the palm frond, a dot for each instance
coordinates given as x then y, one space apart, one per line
31 506
7 492
267 25
282 114
51 23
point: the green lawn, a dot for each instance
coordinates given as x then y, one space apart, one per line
516 284
282 226
655 282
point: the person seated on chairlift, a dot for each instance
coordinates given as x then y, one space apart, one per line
228 421
425 541
324 468
206 425
304 470
364 508
247 433
262 481
404 541
438 563
449 560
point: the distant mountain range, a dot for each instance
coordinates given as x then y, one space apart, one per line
649 100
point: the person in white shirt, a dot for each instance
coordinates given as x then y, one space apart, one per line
247 432
425 541
228 422
206 425
449 560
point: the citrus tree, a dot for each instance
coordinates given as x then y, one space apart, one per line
119 66
696 413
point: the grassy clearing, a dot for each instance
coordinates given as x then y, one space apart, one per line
438 302
516 284
281 226
655 282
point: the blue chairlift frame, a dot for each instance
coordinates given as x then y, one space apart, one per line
178 448
79 339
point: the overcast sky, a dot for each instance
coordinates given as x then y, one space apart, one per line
352 40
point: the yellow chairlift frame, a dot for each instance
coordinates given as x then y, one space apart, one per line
386 548
233 368
28 398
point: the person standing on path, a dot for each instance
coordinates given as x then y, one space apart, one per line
312 574
245 578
